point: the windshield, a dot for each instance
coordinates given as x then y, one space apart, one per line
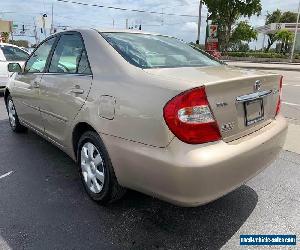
154 51
14 54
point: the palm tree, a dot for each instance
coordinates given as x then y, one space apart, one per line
285 37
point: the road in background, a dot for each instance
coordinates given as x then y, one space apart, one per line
43 204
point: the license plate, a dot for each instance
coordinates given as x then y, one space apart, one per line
254 111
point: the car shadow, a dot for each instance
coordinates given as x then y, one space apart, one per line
157 224
44 200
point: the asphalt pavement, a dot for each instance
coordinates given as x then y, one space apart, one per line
43 204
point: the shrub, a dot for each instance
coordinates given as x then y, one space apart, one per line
257 54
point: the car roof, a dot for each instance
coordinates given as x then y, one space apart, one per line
8 44
12 45
108 30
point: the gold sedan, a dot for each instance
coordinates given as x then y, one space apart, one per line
147 112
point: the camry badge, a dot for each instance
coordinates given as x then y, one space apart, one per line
257 85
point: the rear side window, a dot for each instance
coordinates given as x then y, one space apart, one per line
154 51
69 56
38 59
14 54
83 65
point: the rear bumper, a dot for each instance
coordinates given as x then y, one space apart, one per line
191 175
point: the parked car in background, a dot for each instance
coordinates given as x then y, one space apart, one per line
9 53
148 112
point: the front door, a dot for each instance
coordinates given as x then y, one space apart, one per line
26 86
65 86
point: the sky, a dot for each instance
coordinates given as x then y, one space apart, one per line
74 16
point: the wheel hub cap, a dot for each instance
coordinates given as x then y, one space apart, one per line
92 167
11 113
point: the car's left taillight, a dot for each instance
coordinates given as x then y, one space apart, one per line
190 118
278 106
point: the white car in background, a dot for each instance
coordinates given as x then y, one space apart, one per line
8 54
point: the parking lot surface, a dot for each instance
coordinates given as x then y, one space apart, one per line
43 204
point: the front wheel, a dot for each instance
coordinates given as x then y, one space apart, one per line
13 116
96 170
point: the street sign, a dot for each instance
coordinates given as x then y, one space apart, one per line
213 31
212 42
277 26
43 22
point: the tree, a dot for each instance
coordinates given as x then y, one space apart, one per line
240 46
278 17
5 37
225 13
20 43
286 37
243 32
288 17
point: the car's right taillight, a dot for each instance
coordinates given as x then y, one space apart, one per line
278 106
190 119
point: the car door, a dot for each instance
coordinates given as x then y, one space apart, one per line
26 91
65 86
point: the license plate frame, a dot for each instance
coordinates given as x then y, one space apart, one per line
254 111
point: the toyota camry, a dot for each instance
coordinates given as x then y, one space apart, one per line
147 112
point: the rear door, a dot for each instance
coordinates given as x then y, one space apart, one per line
65 86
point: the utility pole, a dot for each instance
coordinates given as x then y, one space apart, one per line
127 23
199 22
35 32
51 30
295 36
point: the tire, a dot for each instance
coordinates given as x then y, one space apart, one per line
14 122
96 170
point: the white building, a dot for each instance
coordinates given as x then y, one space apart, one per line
274 27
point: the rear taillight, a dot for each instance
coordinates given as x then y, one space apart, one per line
190 119
278 106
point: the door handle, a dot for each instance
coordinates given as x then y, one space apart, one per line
36 85
77 91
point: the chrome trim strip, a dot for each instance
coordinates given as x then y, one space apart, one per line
253 96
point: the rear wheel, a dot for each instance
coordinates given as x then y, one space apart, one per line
96 170
13 116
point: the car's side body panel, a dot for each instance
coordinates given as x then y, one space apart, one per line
26 98
59 102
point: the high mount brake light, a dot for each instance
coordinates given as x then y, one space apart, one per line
190 119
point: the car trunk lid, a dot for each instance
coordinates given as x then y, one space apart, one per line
242 101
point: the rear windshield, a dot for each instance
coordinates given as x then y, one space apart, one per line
154 51
13 53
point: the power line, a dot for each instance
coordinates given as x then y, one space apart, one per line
125 9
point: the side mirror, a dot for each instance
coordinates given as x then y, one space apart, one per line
14 67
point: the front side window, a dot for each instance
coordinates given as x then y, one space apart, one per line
154 51
37 61
69 56
13 53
